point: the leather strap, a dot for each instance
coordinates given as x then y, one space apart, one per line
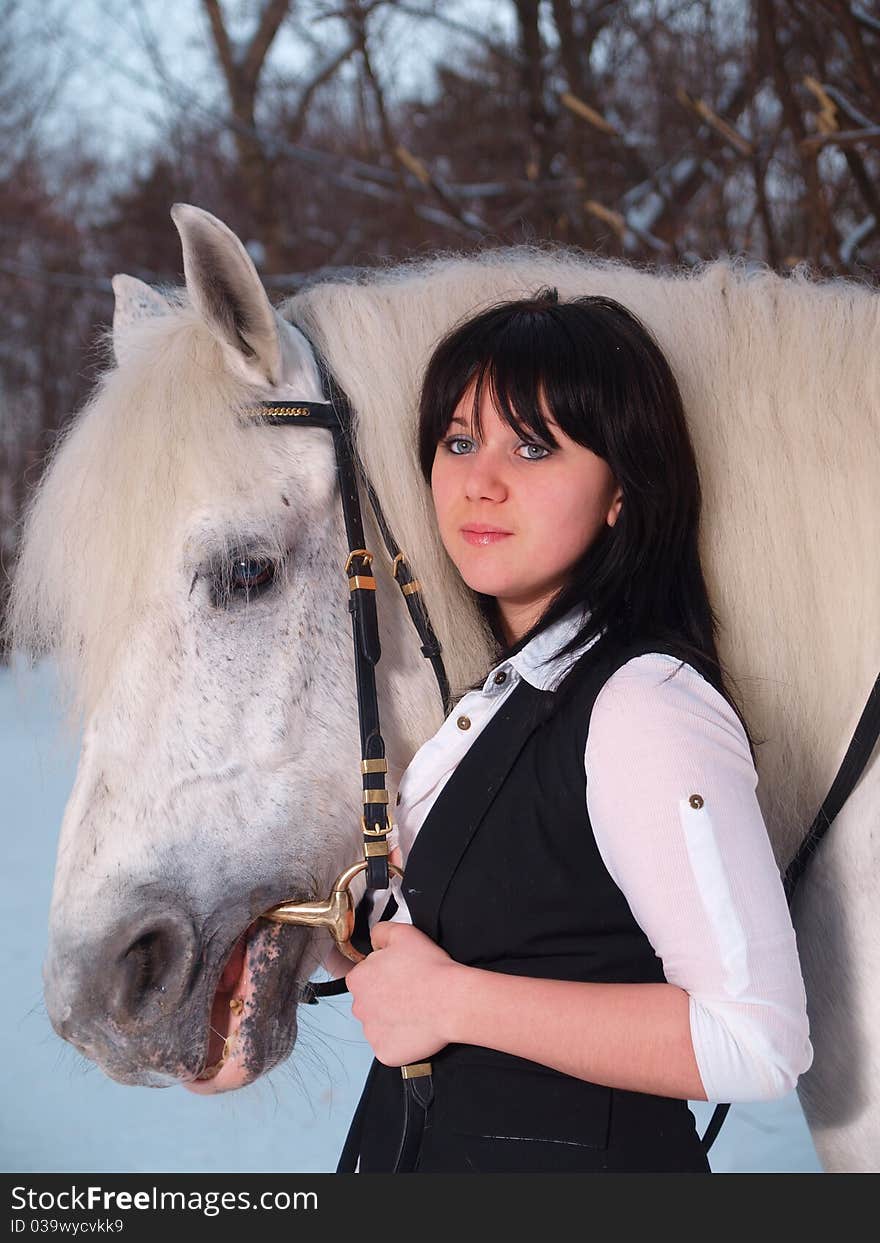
854 763
351 1149
418 1096
362 607
411 591
335 414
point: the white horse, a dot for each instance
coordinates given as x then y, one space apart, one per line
186 569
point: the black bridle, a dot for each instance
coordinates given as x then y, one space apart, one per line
335 414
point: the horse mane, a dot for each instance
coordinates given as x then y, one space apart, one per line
781 386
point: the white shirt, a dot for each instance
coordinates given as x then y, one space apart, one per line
702 883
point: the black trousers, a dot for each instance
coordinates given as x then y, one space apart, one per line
493 1113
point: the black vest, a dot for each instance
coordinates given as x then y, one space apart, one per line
505 875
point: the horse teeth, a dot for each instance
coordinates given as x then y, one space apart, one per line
236 1005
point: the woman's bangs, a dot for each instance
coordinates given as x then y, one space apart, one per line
513 379
539 361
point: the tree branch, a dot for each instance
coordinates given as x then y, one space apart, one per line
841 138
222 44
271 20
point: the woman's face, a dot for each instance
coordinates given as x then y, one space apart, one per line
549 503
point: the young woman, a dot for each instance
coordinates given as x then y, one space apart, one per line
591 929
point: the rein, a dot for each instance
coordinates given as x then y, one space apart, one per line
337 913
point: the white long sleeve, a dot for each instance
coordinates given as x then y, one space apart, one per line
701 881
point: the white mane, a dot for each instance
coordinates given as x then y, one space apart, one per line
781 385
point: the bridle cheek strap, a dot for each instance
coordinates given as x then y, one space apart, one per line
335 416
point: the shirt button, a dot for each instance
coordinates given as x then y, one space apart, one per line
500 677
463 722
696 800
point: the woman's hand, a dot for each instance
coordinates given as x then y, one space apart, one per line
398 993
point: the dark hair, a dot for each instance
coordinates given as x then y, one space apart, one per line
608 385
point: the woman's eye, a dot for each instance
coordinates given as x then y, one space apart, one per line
541 450
450 441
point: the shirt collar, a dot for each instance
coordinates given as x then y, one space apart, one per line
529 661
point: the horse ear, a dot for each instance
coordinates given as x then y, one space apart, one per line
225 289
133 301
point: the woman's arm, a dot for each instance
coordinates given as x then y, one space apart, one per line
413 999
631 1036
671 793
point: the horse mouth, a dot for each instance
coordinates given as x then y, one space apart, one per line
230 1060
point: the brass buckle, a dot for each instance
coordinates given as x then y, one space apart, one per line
336 913
413 585
370 831
358 552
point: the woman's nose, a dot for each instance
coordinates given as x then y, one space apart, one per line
485 478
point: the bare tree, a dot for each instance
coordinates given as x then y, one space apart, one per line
242 67
663 132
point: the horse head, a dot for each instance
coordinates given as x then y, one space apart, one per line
186 566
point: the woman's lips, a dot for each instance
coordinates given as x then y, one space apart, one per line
483 538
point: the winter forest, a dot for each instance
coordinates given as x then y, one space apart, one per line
333 134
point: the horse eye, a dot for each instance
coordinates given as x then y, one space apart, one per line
242 577
249 574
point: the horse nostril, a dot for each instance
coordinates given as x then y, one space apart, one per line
152 974
146 958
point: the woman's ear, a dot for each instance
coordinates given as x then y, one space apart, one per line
615 508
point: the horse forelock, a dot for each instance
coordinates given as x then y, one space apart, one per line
160 436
